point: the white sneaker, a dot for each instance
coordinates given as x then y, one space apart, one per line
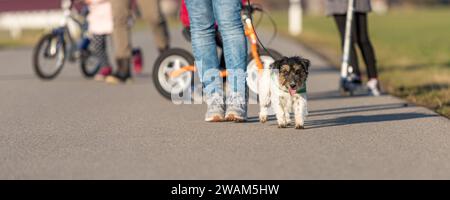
215 109
236 108
374 87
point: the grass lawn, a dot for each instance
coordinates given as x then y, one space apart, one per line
28 38
412 49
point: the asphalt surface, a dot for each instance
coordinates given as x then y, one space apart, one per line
73 128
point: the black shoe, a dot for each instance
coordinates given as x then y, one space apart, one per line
356 80
117 78
123 73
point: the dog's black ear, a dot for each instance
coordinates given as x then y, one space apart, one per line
275 65
278 63
306 63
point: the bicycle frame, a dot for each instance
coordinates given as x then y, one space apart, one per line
63 33
249 33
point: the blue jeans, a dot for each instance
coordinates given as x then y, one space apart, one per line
203 15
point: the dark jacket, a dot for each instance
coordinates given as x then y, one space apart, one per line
337 7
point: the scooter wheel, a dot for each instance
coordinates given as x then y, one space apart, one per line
346 88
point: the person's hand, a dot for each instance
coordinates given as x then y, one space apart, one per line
88 2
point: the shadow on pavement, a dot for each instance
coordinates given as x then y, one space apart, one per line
329 95
360 119
345 110
350 120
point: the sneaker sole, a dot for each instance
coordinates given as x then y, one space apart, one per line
214 119
99 79
233 118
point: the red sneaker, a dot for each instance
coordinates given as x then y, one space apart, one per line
137 61
103 73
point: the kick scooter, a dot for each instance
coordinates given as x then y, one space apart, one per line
347 87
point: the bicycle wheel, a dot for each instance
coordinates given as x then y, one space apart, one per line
89 63
166 63
49 56
252 68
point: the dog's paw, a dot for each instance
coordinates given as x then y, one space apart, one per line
263 118
298 126
282 125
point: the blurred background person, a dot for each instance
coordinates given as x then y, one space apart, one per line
359 37
100 26
121 11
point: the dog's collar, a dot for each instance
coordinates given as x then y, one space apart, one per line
301 90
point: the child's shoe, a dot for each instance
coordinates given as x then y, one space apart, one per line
103 73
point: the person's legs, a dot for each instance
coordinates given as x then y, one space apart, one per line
121 33
121 40
99 50
365 44
219 43
368 53
204 47
341 24
151 12
228 15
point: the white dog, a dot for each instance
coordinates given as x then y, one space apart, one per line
284 87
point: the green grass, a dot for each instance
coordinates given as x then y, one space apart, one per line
412 47
28 38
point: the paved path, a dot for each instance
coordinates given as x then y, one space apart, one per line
71 128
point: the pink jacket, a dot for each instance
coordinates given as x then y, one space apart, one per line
100 17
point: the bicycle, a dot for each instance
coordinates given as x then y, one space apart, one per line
173 70
67 42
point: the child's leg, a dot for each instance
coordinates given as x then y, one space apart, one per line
341 21
99 50
365 45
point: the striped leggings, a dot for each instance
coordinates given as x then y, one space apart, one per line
99 49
